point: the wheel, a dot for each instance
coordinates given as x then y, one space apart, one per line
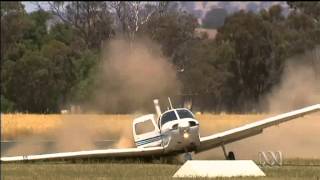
231 156
183 158
187 156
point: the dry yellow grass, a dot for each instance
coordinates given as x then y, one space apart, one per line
19 125
210 123
13 125
297 138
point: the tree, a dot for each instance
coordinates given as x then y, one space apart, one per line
302 34
130 16
255 60
52 58
273 15
6 105
311 9
37 34
304 26
204 73
91 20
32 75
14 22
172 30
85 70
62 67
43 78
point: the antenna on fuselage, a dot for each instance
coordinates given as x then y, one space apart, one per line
157 107
170 103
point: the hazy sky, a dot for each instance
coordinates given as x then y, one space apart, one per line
31 6
204 6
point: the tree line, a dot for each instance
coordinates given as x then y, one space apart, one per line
49 57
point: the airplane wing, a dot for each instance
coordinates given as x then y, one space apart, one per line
251 129
126 152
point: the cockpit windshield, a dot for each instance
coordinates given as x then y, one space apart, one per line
171 115
183 113
168 116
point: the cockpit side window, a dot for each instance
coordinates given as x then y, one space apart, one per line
144 127
168 116
184 114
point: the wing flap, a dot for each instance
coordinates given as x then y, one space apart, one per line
127 152
251 129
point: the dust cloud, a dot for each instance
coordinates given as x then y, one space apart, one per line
132 75
300 84
76 132
126 140
25 146
299 87
298 138
81 132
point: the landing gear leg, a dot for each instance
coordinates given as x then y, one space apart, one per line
230 155
187 156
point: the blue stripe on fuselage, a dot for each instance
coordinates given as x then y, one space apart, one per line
149 140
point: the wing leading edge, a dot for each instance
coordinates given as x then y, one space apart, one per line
126 152
251 129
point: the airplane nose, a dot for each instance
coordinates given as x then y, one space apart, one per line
184 129
184 125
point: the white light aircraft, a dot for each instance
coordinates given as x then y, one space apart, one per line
173 132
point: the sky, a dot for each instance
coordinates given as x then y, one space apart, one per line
32 6
198 5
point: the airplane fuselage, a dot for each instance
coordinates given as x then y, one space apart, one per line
176 131
183 137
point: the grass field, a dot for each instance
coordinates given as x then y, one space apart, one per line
82 171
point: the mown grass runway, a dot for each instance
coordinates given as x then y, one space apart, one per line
294 170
